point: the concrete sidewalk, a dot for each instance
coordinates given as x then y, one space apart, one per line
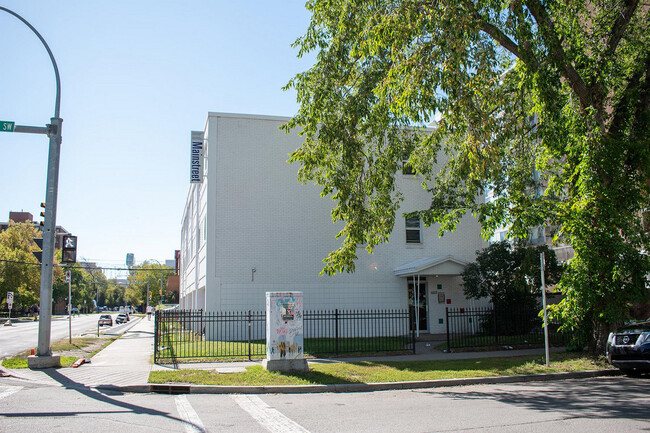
125 364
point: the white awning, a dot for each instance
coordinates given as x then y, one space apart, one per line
442 265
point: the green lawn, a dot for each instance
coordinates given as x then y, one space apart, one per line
388 371
187 346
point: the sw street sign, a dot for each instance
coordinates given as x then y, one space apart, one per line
7 126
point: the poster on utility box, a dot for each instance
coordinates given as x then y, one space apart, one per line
284 336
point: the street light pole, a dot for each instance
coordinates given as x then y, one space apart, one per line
43 357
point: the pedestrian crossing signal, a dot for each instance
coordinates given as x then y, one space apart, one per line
69 250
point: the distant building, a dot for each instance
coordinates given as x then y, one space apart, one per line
249 226
23 217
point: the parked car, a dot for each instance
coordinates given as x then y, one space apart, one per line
628 348
121 318
105 319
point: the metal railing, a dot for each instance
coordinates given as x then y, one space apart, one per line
195 335
484 327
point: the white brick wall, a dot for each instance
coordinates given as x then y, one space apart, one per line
259 216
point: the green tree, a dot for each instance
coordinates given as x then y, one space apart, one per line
556 88
19 270
507 274
113 295
81 285
149 275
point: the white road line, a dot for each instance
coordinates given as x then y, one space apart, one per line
269 418
192 422
6 391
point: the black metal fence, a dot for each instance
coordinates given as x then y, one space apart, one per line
484 327
231 336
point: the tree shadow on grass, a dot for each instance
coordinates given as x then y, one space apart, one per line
452 365
319 378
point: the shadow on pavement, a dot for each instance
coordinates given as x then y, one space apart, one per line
598 399
104 397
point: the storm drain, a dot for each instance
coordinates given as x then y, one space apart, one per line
170 389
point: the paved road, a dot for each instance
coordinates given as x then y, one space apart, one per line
23 336
616 404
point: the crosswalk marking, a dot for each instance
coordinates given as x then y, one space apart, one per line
6 391
268 417
192 422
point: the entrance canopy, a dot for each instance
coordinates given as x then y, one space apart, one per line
442 265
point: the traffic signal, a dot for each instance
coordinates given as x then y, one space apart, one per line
38 254
69 250
42 223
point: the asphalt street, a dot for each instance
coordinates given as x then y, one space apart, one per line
612 404
23 335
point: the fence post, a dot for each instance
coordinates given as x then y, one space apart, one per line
336 331
412 327
249 334
496 329
156 323
447 323
413 336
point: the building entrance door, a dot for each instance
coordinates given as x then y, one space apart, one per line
418 305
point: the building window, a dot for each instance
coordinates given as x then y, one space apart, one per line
407 169
413 235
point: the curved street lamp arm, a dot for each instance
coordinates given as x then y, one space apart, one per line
57 102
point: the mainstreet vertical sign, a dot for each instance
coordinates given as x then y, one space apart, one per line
196 157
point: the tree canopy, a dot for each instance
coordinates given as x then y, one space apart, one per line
19 269
503 272
545 103
150 274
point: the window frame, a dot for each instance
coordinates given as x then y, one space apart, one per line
410 229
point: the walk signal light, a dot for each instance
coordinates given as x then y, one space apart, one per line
69 250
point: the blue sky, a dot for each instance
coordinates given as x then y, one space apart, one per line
136 77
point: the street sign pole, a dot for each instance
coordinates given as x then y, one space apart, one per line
10 303
68 276
49 239
43 357
542 266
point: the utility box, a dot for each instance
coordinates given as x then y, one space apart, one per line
284 332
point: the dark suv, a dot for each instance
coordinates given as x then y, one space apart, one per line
628 348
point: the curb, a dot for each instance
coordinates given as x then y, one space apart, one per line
168 388
363 387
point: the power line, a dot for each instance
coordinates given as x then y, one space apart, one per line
59 265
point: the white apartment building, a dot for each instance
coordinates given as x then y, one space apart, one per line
250 227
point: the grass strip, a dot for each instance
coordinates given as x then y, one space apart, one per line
386 371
